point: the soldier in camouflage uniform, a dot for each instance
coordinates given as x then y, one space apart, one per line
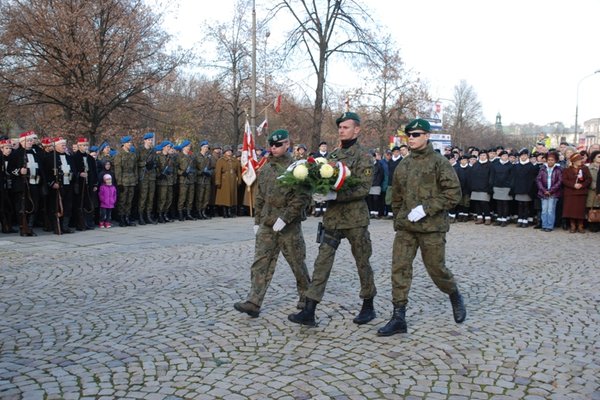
279 212
425 188
126 175
165 180
186 172
347 216
204 173
147 175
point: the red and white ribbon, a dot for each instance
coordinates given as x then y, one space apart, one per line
343 171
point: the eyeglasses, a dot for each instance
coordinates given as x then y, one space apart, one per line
276 144
414 134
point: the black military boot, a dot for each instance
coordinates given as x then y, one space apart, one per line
201 214
249 308
225 212
166 217
458 307
181 217
141 219
149 218
307 315
395 325
65 225
367 312
128 221
161 218
207 214
232 212
188 215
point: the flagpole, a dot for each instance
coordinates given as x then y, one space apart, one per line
253 101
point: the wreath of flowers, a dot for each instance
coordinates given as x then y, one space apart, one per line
318 175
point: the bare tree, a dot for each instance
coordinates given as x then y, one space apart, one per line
85 58
463 116
233 61
326 28
392 93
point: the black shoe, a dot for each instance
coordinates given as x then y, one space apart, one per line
397 324
181 217
150 220
367 313
129 222
161 218
307 315
246 307
141 219
458 307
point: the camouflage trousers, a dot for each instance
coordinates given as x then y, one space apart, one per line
360 243
185 200
433 252
202 195
146 189
165 197
290 242
125 200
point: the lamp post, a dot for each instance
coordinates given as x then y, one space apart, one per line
577 103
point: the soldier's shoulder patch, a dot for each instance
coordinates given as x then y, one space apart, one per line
368 171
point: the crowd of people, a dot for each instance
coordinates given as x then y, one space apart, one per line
47 184
59 188
540 187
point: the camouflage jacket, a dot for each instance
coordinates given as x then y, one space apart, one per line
147 163
186 169
349 209
424 178
126 173
275 201
167 171
204 169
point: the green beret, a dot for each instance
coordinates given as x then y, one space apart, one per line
278 135
418 124
346 116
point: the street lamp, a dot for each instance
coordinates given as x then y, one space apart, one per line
577 103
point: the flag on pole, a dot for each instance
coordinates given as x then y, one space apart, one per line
277 104
249 159
264 125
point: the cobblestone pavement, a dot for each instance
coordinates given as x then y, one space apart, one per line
146 313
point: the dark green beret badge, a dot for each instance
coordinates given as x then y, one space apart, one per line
346 116
278 135
418 124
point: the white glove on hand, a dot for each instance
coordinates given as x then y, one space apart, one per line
278 225
416 213
320 198
255 227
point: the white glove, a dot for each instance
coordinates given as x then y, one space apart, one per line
278 225
255 227
416 213
320 198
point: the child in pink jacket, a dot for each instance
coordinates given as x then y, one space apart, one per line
107 194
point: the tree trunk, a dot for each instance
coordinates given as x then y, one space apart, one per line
318 109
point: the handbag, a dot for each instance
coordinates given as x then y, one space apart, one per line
593 215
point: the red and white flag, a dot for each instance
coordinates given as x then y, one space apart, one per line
277 104
249 159
264 125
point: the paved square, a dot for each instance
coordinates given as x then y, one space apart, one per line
147 313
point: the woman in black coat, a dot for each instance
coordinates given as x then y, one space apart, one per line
480 183
501 183
524 187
